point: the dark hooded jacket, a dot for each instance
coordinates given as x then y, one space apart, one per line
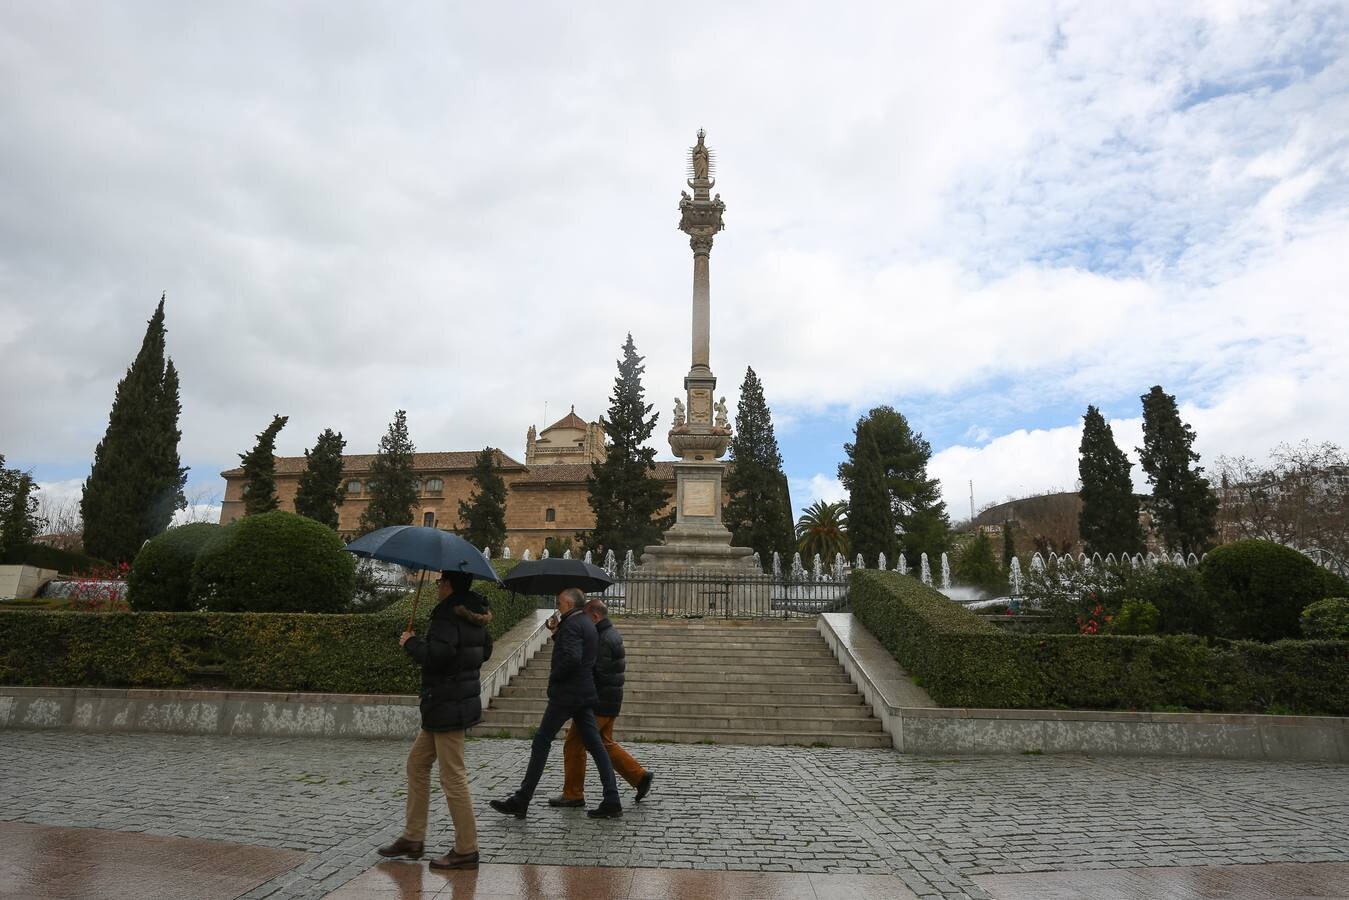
609 666
571 679
454 649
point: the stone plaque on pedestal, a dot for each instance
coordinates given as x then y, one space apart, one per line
700 498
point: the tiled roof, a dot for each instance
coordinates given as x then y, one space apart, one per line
360 462
570 420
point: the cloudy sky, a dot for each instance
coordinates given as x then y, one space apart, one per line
986 215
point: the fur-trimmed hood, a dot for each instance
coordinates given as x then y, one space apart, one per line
477 618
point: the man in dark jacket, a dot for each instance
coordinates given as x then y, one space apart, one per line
609 673
571 695
451 655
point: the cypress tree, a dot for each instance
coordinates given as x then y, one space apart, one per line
623 491
259 466
320 492
19 521
916 507
136 481
1008 546
483 517
871 525
393 487
1184 506
1108 521
759 513
977 566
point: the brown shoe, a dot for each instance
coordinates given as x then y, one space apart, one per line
454 860
402 848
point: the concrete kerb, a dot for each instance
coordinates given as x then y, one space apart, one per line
261 713
932 730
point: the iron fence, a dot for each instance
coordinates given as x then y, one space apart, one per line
708 596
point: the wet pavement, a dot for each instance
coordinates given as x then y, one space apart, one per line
961 827
1288 880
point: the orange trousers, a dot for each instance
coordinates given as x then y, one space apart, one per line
574 760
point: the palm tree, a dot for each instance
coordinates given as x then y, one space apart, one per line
823 529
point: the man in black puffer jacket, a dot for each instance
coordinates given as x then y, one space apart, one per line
451 655
571 695
610 666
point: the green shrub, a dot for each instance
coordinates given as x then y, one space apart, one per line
1327 620
67 562
1259 588
1135 617
962 661
161 574
274 562
1182 606
976 565
258 651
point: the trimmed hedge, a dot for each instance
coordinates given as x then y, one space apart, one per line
160 579
351 653
1260 588
274 562
965 662
67 562
1327 619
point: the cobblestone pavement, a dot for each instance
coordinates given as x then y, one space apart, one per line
936 823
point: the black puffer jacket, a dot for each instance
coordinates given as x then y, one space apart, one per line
454 649
609 666
571 680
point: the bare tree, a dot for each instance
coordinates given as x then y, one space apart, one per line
1300 497
203 506
65 526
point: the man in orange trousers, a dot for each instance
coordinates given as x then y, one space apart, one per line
609 666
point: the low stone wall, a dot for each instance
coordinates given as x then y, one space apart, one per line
23 582
929 731
260 713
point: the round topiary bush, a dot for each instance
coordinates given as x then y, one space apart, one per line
1260 588
161 574
274 562
1327 620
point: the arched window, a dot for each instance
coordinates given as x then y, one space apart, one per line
550 515
353 487
429 519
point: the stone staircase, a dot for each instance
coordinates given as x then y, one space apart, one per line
726 681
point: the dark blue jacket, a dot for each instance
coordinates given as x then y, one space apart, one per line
451 655
571 680
609 666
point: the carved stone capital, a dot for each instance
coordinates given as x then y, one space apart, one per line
701 244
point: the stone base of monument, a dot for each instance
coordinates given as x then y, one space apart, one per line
697 573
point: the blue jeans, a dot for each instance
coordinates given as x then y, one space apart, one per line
583 720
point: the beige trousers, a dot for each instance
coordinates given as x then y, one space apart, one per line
446 748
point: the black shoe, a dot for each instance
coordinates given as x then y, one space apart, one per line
454 860
644 786
402 849
511 806
565 803
606 810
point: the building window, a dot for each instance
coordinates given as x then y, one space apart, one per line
353 487
550 515
434 485
416 485
429 519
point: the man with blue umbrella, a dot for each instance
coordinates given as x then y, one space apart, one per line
450 656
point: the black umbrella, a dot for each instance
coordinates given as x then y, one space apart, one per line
419 547
550 576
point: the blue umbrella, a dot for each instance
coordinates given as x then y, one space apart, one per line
419 547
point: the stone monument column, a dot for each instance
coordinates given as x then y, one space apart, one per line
700 433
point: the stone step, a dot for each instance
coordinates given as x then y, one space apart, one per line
789 678
809 695
644 627
769 655
699 707
768 666
636 724
857 739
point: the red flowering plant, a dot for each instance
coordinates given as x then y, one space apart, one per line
100 589
1082 599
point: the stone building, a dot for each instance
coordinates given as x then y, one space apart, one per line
546 497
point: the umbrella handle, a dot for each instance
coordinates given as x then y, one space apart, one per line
415 597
